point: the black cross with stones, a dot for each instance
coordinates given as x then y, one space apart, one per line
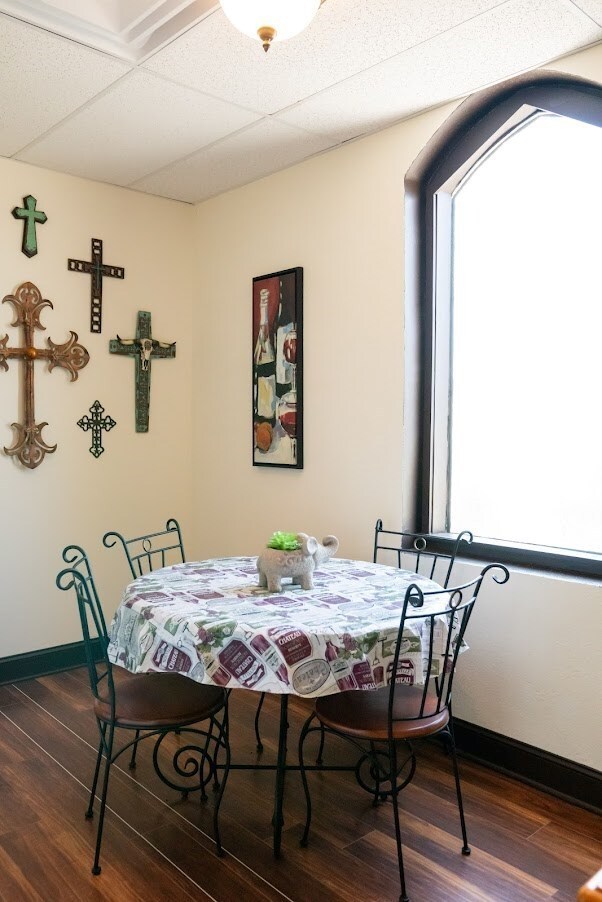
143 348
30 217
96 423
97 269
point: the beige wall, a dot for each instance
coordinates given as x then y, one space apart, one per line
341 217
140 480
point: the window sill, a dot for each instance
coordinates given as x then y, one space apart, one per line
552 562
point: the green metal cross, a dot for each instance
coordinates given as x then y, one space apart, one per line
30 217
143 348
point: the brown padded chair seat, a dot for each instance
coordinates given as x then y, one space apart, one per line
153 700
364 713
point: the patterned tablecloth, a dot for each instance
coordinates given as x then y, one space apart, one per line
210 621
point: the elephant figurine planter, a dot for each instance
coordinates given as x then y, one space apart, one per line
274 564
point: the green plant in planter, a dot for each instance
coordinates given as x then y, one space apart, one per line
284 541
294 557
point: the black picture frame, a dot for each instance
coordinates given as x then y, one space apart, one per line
277 369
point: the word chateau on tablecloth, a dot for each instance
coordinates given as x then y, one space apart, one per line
209 621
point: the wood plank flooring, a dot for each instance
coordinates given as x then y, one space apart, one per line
526 845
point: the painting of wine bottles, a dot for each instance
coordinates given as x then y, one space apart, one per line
278 369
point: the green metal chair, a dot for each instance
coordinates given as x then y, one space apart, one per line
418 552
148 552
160 549
150 705
382 724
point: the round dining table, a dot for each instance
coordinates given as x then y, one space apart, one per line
211 622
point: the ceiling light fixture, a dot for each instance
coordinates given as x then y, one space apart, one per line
270 20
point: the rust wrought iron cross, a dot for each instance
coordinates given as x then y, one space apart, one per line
97 269
29 447
143 348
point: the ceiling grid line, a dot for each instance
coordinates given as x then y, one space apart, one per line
594 21
70 115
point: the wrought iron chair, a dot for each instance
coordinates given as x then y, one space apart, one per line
148 552
418 552
150 705
160 549
415 552
383 723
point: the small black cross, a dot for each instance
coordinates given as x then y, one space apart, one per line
96 423
30 217
97 269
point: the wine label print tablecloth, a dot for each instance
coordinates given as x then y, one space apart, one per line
210 621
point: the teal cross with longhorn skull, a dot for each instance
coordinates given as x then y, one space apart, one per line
143 348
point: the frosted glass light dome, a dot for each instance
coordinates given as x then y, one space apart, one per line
270 20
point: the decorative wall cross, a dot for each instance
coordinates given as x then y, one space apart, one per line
96 423
29 446
97 269
143 348
31 217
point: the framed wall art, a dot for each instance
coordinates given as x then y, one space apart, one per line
278 369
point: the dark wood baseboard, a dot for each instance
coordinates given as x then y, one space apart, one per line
42 662
544 770
563 778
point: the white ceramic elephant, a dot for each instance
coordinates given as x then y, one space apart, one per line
275 565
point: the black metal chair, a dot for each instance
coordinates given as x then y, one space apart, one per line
421 553
417 552
150 705
160 549
383 723
148 552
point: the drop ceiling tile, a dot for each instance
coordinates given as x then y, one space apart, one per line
516 36
138 126
592 8
43 79
345 37
261 149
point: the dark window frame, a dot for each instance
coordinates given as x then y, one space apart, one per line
478 123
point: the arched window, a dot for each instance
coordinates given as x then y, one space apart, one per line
503 421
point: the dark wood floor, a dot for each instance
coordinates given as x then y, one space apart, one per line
526 845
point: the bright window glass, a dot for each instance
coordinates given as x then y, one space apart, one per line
526 417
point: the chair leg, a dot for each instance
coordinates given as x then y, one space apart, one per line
302 736
257 713
223 728
321 749
221 740
452 746
90 809
103 801
394 792
204 795
215 774
376 776
132 763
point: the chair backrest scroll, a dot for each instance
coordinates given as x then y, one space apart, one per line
439 618
78 576
149 552
421 553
